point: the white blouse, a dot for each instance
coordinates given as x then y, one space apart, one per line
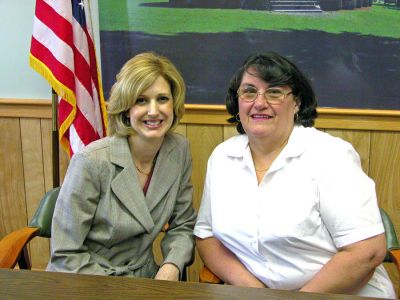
314 199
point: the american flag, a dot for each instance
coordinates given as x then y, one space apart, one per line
63 52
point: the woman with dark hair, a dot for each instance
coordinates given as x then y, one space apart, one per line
121 190
284 205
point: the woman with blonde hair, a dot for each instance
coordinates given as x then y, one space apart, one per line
120 191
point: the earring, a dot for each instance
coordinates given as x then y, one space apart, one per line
237 117
296 117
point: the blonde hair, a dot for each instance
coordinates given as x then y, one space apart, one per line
136 76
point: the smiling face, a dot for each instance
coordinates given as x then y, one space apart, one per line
261 119
152 114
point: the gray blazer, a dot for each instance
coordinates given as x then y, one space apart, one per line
103 224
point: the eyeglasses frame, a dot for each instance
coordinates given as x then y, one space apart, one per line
280 101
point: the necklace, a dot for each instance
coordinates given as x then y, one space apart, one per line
151 169
143 172
279 150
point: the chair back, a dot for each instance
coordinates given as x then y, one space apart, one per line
44 214
392 243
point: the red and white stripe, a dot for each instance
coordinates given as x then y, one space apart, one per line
63 52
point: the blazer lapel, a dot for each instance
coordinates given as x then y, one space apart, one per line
166 172
126 184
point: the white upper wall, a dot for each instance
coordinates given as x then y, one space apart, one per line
17 78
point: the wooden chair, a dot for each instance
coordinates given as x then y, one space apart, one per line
206 276
392 242
13 247
392 255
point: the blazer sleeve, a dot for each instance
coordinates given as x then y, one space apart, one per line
73 216
178 243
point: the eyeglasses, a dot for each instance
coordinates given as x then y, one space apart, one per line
272 95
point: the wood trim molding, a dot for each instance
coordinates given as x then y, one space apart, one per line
338 118
25 108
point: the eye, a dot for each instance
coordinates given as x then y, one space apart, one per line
141 101
163 99
274 93
249 90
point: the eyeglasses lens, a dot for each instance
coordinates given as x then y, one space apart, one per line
272 95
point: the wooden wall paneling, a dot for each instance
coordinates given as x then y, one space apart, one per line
47 153
32 152
203 139
361 141
181 129
229 131
12 187
385 170
64 162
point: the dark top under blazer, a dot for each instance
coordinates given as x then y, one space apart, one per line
104 224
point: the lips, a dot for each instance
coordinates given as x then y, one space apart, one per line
153 123
261 117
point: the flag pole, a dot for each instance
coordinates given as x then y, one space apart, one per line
54 140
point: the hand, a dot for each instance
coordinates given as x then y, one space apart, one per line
168 272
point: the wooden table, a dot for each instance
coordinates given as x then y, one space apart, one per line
23 284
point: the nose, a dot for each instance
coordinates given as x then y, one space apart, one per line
260 100
153 109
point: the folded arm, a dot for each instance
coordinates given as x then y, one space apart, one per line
225 264
349 269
